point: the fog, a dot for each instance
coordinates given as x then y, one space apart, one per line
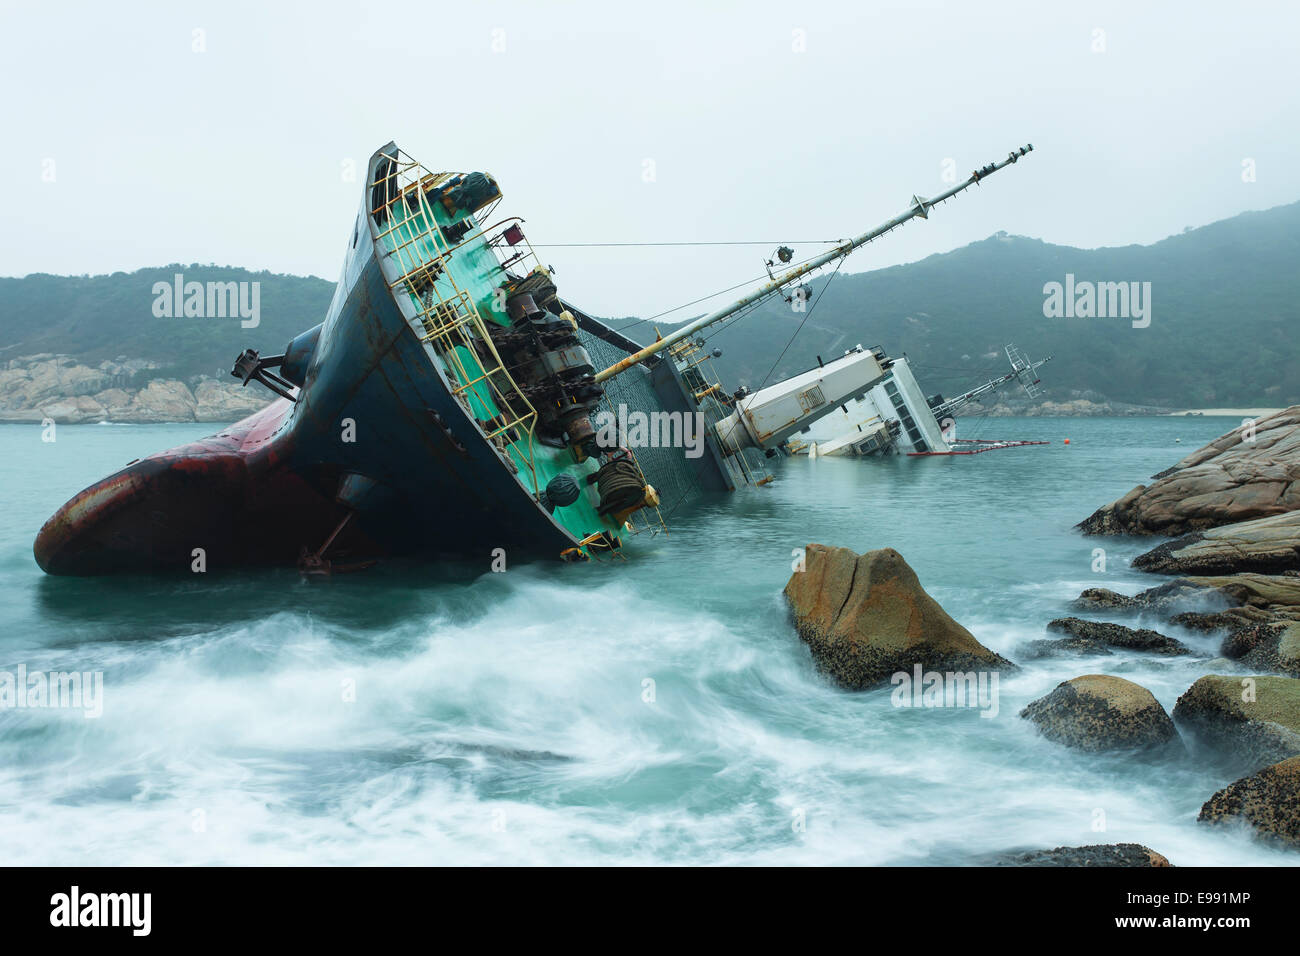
224 132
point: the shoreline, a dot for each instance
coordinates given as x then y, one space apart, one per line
1252 412
35 416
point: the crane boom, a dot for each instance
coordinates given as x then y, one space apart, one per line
918 207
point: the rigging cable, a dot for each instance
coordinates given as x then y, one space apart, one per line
806 316
820 293
712 295
609 245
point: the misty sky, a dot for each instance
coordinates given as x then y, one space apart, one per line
234 155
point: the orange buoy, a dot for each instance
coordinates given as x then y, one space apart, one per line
1067 441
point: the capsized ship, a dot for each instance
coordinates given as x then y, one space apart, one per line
448 407
896 417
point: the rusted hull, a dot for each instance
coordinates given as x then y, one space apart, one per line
271 487
224 501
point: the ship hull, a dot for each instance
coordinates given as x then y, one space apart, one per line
373 410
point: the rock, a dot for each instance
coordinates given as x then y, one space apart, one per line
1097 712
1271 596
1094 635
51 380
163 400
1232 619
227 402
1265 544
1249 721
1273 592
1269 801
1038 650
1099 854
1104 599
1079 406
866 618
1165 599
36 387
1227 481
116 402
1266 647
81 408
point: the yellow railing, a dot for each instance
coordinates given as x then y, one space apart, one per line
412 237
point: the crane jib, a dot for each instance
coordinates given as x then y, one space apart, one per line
919 207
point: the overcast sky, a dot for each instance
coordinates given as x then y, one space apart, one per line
763 121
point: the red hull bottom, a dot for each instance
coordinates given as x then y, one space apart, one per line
218 502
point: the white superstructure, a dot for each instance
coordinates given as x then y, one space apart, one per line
894 417
766 418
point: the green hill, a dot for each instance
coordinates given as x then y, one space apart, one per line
93 318
1224 301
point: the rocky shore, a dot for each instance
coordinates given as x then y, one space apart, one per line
60 387
1070 408
1232 512
1251 472
37 388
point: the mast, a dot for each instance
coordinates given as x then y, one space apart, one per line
919 207
1022 370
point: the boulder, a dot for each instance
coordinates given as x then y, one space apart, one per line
1100 854
1263 597
162 400
866 617
1165 598
116 401
1271 647
1269 801
1269 544
59 378
36 387
1097 712
1104 599
1231 619
1248 721
72 411
1063 647
1239 476
227 401
1270 592
1101 636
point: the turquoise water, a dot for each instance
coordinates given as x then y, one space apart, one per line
658 710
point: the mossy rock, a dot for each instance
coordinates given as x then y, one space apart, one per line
1267 801
1101 854
1097 712
1250 721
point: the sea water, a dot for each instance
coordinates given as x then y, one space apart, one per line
658 709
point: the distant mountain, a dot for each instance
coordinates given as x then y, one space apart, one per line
1224 303
111 317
